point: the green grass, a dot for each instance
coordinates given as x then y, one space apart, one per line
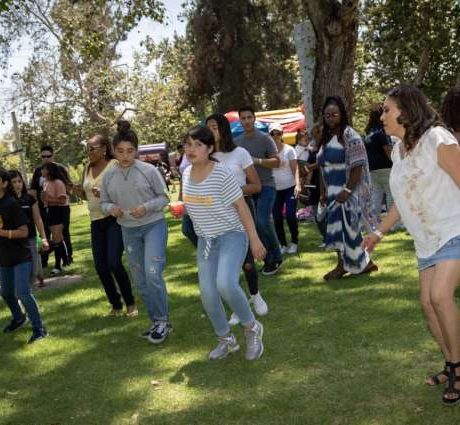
353 351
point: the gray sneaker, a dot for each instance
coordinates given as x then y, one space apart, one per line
226 346
254 345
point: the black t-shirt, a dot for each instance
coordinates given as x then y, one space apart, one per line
26 202
12 251
375 140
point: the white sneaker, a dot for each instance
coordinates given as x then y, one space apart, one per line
292 249
234 320
226 346
283 249
55 272
260 306
254 345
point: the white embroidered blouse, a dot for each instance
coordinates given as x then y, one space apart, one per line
427 198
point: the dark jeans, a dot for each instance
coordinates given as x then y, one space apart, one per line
15 286
264 202
249 268
286 197
107 243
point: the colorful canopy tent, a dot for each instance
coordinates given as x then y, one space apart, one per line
291 120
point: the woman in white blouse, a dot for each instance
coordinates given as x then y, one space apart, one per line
425 183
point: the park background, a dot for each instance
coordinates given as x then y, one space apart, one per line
354 351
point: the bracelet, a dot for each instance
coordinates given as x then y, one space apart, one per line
347 190
10 234
378 233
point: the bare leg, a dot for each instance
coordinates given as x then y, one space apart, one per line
426 279
445 281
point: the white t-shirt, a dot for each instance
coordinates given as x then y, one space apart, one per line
302 152
209 203
236 161
284 178
427 198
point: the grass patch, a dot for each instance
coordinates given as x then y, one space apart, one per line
353 351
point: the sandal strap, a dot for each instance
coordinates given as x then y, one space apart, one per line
453 378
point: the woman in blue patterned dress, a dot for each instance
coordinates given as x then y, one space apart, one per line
345 190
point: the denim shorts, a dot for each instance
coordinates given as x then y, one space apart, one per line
449 251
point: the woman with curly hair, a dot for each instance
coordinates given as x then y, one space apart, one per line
426 160
345 190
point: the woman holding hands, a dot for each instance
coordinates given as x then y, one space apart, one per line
427 159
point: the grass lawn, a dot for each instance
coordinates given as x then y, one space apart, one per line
353 351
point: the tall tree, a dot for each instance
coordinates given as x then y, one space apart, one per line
336 28
75 61
429 57
241 53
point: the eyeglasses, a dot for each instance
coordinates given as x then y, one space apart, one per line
276 134
47 156
333 115
92 148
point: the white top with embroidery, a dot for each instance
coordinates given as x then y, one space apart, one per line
427 198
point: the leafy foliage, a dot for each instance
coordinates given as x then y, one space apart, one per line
430 53
241 54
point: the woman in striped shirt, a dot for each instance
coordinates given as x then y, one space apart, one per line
223 224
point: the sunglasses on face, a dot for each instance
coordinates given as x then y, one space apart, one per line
47 156
333 115
276 134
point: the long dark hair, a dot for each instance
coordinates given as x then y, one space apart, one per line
226 139
15 173
205 136
417 115
105 142
327 134
5 177
54 172
125 134
450 110
374 121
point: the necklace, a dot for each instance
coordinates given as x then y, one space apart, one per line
125 176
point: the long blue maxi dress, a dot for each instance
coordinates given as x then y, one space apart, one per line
344 219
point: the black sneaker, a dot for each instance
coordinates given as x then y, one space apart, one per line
37 333
271 268
16 324
147 333
159 332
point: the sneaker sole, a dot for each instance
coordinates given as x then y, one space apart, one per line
265 273
159 341
233 350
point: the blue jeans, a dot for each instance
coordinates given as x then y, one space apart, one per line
146 251
286 198
264 202
107 244
15 285
218 273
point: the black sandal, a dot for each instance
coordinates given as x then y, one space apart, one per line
435 378
453 378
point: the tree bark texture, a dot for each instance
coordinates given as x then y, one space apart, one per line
305 42
422 68
336 29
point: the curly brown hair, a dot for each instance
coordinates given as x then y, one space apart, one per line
417 115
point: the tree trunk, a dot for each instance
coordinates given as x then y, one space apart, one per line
422 67
305 43
336 28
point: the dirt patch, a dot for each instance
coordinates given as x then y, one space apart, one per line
60 281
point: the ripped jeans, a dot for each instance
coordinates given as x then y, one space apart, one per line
145 247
